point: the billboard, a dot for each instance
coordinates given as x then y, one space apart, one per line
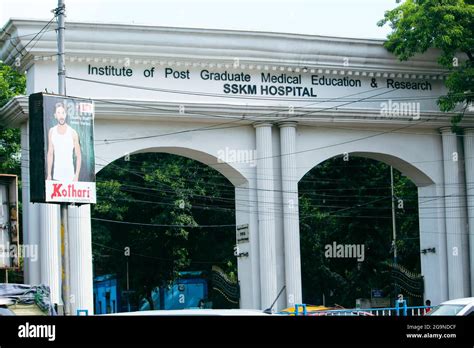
62 164
9 228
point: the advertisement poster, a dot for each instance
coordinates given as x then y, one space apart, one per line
62 129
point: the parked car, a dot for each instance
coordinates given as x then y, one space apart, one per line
460 307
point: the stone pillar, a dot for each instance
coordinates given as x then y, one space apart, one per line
469 167
49 247
434 265
455 216
266 217
80 258
247 263
31 223
254 241
291 225
246 213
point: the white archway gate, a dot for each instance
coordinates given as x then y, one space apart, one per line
294 100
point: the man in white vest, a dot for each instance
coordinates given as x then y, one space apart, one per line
62 142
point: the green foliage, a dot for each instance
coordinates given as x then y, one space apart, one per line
162 189
447 25
112 207
11 84
10 150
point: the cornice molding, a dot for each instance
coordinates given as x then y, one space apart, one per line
219 49
15 112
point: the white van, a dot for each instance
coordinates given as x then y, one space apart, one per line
461 307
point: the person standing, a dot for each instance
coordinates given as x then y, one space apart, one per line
428 306
63 142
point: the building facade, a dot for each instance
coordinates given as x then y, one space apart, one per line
263 109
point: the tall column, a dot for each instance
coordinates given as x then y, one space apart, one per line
434 265
31 231
455 216
254 240
49 245
80 258
291 227
246 211
469 166
266 217
246 264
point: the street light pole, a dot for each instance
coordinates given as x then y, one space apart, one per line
394 226
128 288
65 274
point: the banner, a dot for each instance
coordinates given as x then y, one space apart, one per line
62 164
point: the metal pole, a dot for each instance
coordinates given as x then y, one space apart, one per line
128 289
127 276
61 12
65 276
394 227
65 261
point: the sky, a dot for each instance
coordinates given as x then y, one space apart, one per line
344 18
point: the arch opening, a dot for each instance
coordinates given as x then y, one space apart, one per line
232 174
163 232
347 235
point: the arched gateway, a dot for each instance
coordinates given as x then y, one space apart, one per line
294 100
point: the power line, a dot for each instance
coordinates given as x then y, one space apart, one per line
325 206
275 210
217 95
113 141
11 38
157 166
301 151
231 188
172 91
109 141
41 32
154 257
162 225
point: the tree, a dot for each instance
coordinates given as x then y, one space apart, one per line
12 83
169 191
443 24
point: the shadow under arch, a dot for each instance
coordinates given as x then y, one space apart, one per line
226 169
415 174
